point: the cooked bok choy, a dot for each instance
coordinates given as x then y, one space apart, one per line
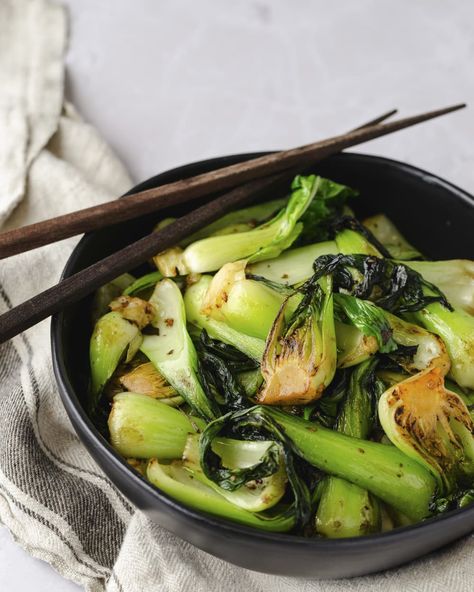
318 379
432 425
263 242
300 355
346 509
172 351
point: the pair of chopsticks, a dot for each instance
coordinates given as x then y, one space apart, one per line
247 180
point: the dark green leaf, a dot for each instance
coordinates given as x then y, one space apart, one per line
392 286
255 423
326 207
219 364
368 318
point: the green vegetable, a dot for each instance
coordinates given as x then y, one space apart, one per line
353 346
146 380
292 266
113 339
177 482
251 306
255 495
383 470
300 354
392 286
142 427
325 410
105 294
193 301
430 349
351 242
143 283
346 509
459 499
454 278
243 219
387 233
218 375
263 242
456 329
405 290
339 329
327 206
368 318
431 425
172 351
218 469
251 381
391 332
246 305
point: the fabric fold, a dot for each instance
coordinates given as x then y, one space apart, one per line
32 45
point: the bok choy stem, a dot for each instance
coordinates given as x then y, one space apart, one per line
172 351
346 509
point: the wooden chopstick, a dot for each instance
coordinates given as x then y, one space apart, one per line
89 219
89 279
77 286
376 120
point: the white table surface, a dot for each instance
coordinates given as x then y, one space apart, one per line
170 81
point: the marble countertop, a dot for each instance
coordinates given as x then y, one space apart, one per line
170 82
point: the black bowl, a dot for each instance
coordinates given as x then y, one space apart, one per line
436 216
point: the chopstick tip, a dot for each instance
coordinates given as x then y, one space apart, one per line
455 107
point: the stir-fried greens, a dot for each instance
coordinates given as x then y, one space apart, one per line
293 369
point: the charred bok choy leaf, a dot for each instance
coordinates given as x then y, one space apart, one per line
392 286
432 425
300 354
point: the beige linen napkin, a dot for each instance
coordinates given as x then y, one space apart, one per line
53 498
